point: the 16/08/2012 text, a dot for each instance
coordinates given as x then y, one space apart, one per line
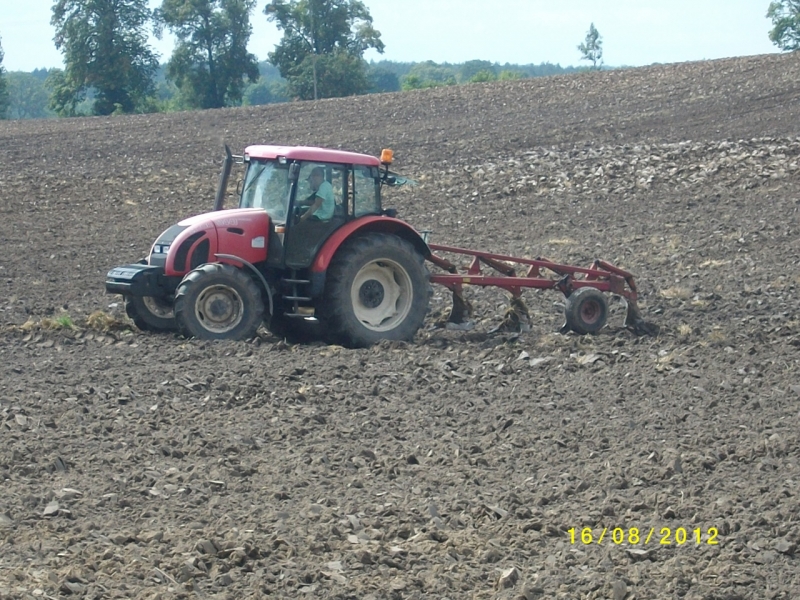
633 536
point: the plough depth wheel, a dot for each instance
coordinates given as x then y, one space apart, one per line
586 310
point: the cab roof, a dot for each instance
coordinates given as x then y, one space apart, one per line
311 154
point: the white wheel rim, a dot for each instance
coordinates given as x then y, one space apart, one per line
381 295
158 308
219 308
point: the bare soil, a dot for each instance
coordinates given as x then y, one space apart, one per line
151 466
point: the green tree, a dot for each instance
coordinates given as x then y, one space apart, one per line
29 98
330 76
265 91
471 68
104 43
483 76
592 47
258 93
785 16
210 63
509 75
322 49
382 79
429 74
412 81
4 99
64 94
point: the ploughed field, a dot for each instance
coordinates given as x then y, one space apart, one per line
151 466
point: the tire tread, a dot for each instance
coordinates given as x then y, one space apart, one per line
572 310
184 310
337 305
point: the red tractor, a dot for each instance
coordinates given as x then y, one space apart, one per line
219 275
351 268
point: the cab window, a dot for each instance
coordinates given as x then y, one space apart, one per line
266 185
366 191
335 174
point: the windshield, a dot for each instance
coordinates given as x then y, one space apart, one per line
266 185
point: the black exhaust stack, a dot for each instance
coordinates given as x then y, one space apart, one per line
219 201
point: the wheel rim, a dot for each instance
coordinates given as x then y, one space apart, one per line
381 295
591 312
158 308
219 308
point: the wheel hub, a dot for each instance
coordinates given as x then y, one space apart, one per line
381 295
590 312
158 307
371 293
219 308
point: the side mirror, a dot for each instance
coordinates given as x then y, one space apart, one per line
294 171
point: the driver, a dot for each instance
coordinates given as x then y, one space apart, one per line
321 202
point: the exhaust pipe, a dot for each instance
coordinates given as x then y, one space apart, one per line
219 201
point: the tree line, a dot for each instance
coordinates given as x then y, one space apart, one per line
111 69
30 92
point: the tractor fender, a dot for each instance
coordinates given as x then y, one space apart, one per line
381 224
258 274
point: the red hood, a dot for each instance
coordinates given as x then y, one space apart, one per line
235 217
240 232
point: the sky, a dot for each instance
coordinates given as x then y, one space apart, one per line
634 32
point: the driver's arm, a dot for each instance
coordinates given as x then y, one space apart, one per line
312 209
308 201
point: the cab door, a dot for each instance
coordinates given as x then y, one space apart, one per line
304 239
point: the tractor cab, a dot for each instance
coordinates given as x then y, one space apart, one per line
280 181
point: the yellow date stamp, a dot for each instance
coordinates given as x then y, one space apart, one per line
633 536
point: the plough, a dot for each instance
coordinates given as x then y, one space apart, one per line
586 308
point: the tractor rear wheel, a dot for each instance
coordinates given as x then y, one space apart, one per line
376 288
218 302
586 310
150 313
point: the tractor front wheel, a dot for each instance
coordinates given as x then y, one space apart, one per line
150 313
218 302
586 310
376 288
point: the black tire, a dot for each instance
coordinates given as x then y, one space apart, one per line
218 302
377 288
586 310
150 313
